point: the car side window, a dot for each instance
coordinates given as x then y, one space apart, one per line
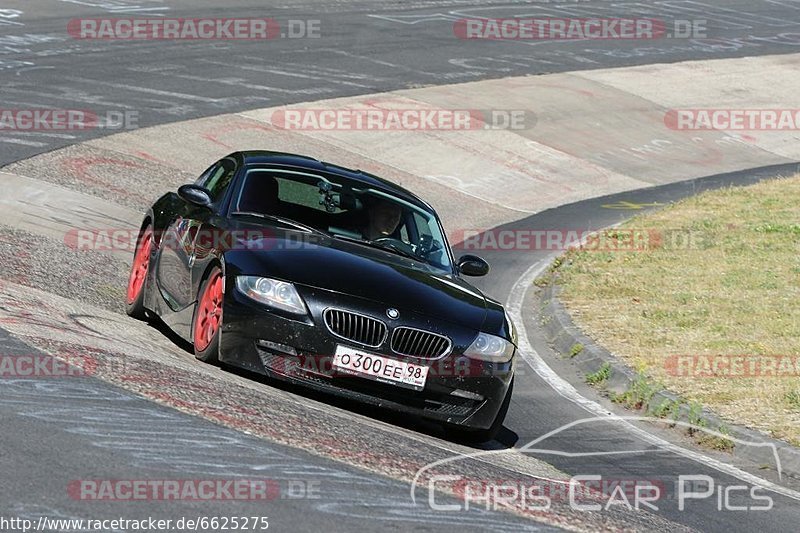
203 179
217 178
221 179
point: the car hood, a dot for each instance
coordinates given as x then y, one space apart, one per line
349 268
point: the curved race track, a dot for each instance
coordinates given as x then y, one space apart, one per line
152 412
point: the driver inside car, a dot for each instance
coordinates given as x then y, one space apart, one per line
383 219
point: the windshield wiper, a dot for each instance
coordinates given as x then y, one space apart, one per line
386 246
281 220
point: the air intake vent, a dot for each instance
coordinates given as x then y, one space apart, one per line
418 343
354 327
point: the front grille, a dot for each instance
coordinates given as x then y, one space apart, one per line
354 327
418 343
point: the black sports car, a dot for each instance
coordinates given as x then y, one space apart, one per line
331 278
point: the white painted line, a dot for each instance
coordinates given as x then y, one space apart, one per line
288 74
44 134
22 142
147 90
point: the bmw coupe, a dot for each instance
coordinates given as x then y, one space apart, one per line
329 278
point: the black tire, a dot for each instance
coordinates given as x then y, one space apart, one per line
136 308
475 436
209 354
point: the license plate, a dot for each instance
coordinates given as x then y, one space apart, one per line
359 363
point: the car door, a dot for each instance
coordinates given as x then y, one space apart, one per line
190 223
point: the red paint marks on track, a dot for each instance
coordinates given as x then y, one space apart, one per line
83 168
214 137
149 157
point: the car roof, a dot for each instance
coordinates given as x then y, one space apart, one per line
284 159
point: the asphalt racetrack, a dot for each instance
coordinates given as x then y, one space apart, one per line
339 466
368 47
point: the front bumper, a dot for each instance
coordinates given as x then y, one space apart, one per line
458 390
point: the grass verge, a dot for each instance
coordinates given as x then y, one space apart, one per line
707 303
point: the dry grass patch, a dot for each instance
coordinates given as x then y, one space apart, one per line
724 282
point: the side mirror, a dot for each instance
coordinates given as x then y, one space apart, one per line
195 194
472 265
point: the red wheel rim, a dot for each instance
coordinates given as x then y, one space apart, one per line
209 313
141 262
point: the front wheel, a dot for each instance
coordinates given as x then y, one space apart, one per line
462 434
208 318
138 278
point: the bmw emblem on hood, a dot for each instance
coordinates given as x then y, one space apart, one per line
393 313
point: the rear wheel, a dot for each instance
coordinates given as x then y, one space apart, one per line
462 434
208 318
138 278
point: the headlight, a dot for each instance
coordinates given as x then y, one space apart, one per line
277 294
490 348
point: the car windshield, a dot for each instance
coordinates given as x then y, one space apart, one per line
345 209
